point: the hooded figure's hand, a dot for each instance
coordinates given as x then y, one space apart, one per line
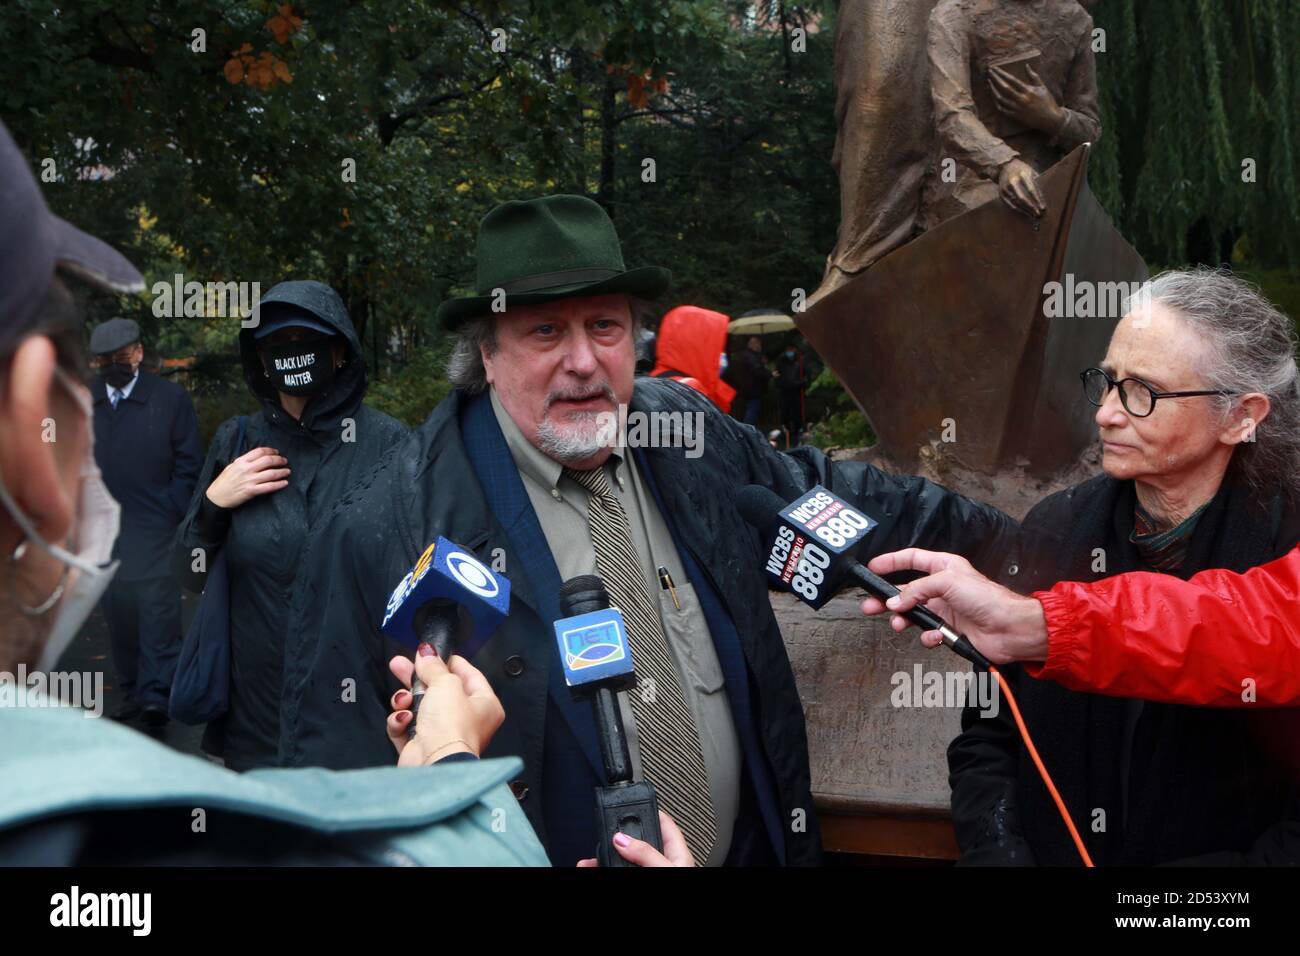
256 472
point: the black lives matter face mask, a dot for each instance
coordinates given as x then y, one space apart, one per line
305 367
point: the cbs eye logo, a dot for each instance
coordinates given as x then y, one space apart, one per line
471 574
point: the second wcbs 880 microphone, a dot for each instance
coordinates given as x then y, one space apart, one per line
810 547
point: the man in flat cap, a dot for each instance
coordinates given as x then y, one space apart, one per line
147 446
513 466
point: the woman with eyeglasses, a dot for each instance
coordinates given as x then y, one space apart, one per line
1198 409
257 497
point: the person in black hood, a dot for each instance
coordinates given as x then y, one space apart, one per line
311 441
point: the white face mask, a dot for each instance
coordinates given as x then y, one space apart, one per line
84 580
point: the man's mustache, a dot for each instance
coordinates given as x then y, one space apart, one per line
580 393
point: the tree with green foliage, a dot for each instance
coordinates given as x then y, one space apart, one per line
360 143
1201 112
229 130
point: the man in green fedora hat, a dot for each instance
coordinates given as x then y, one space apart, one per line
519 464
547 249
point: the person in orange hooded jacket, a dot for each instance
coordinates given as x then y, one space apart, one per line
690 347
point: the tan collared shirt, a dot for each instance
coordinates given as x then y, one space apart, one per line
561 505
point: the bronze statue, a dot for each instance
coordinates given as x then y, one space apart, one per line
1014 88
942 105
931 310
885 137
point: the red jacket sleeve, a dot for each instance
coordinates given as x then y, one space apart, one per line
1209 640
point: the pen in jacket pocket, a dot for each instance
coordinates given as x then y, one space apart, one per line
666 581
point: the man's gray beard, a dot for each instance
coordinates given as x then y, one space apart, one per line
574 442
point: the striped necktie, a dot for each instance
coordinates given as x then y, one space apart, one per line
665 728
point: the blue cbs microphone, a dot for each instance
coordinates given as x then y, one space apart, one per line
449 600
598 664
810 545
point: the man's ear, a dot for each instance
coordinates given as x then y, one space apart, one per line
29 433
487 362
1252 409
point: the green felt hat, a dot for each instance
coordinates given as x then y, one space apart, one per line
555 247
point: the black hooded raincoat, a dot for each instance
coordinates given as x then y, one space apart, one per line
336 441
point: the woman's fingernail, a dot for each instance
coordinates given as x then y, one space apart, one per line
426 650
622 839
893 601
403 716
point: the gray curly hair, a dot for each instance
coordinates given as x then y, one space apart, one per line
1252 348
465 363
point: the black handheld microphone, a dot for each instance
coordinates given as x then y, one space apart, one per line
810 544
449 600
597 665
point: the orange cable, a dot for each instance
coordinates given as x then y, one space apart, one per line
1042 770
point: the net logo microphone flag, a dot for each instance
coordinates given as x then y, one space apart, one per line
812 534
447 572
593 647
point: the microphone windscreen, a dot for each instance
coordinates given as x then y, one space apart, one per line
583 594
759 506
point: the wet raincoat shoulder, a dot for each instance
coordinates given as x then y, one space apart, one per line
90 787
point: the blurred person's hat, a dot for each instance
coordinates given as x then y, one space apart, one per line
555 247
112 335
34 243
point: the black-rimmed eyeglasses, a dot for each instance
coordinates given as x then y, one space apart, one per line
1137 397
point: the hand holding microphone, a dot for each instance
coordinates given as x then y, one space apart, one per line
641 853
1005 626
597 661
449 603
459 714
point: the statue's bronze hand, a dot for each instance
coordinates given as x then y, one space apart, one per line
1030 104
1018 186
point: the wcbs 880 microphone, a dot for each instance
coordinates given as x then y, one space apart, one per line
810 545
597 665
449 600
